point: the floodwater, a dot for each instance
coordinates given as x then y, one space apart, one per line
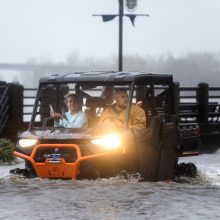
115 198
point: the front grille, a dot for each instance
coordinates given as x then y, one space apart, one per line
69 154
83 144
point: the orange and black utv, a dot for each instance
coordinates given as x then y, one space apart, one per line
94 152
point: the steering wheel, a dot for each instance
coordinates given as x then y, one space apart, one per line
113 120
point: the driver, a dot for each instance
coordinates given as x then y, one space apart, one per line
73 118
116 113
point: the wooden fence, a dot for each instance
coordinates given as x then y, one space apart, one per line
4 106
194 104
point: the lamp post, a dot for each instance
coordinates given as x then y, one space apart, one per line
120 31
131 5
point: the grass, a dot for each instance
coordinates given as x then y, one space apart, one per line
6 150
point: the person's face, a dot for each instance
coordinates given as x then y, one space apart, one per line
72 104
121 99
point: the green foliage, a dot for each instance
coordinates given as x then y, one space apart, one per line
6 150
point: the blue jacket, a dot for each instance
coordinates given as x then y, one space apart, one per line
78 120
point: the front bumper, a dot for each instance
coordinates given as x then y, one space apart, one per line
55 165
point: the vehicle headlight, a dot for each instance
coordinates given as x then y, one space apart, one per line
108 141
27 142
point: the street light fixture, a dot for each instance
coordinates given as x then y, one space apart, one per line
131 5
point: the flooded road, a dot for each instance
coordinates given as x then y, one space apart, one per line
114 198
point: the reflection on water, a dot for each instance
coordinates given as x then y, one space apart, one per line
115 198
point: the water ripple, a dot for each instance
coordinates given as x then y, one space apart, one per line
116 198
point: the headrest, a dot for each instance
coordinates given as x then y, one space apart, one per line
96 102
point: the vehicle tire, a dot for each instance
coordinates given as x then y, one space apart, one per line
186 169
30 170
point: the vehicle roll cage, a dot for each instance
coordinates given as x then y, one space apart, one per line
110 78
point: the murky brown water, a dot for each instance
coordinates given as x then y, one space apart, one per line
114 198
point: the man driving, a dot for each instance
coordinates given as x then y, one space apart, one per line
115 115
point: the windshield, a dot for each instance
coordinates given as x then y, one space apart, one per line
93 99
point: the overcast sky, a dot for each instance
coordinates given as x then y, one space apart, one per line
53 29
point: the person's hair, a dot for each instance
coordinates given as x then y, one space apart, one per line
69 95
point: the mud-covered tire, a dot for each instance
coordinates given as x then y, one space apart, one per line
30 170
21 172
186 169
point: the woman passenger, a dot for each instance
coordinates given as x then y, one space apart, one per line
74 117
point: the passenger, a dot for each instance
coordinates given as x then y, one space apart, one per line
116 113
74 118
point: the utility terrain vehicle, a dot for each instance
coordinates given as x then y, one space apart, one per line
100 152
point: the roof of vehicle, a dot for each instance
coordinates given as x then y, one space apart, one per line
108 77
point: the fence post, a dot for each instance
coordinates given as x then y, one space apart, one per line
203 101
15 121
176 97
3 106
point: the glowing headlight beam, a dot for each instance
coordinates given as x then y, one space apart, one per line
107 141
27 142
